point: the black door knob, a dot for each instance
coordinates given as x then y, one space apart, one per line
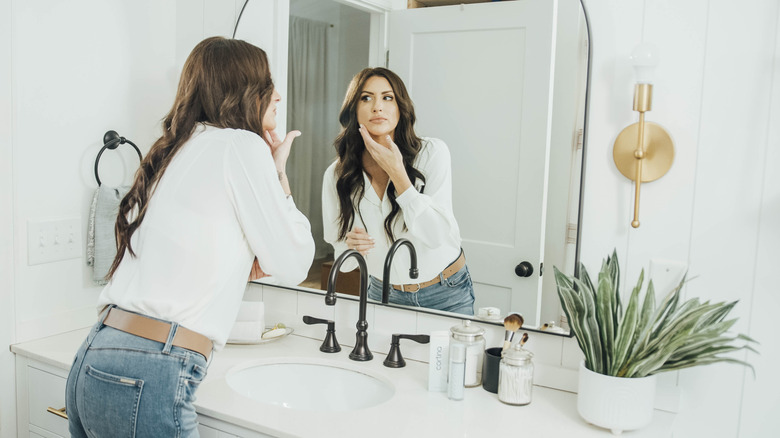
524 269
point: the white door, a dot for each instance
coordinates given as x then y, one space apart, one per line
471 71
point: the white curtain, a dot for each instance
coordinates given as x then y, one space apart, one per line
309 112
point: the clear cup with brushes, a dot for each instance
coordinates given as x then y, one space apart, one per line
490 365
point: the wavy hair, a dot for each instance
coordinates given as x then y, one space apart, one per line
350 148
224 83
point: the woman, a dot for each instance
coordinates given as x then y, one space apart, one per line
387 184
209 205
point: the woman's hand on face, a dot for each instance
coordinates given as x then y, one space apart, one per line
389 158
280 149
359 240
387 155
256 272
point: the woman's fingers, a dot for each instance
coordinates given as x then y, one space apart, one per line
359 240
388 157
291 135
280 149
256 272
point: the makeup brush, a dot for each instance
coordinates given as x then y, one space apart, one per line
512 323
524 339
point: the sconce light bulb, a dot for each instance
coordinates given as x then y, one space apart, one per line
644 58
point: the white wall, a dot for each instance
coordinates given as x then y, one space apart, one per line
7 321
79 69
716 91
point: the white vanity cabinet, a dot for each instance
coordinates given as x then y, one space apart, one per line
40 398
41 390
41 372
212 428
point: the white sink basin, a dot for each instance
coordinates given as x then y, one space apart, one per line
310 385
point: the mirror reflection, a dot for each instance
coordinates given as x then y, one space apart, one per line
389 184
502 85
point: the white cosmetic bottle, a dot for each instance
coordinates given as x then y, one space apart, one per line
438 361
457 372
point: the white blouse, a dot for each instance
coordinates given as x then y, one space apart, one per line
431 225
217 206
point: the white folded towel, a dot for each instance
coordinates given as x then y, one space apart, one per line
246 331
251 311
250 323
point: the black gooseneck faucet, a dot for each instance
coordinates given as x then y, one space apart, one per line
413 273
361 351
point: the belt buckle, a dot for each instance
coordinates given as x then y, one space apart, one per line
403 288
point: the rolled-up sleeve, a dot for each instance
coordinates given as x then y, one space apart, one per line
276 231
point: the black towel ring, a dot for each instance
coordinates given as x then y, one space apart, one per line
112 140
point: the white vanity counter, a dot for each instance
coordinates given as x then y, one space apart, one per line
412 411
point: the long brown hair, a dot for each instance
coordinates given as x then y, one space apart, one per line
350 147
225 83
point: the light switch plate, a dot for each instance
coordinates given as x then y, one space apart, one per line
53 240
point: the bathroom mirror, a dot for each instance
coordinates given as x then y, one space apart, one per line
504 84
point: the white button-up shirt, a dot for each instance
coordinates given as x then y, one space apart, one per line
217 206
430 223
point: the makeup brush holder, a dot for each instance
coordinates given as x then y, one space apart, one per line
490 369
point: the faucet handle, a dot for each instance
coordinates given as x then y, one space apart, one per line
394 358
330 344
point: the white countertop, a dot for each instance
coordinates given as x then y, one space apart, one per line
412 411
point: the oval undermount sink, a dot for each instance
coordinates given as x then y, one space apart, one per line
310 385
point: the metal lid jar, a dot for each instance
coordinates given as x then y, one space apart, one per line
472 337
516 376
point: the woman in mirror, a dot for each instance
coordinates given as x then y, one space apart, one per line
209 206
387 183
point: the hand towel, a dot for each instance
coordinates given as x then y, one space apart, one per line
101 240
250 323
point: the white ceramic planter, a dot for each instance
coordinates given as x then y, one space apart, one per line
615 403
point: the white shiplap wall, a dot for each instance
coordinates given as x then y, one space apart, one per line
7 328
716 91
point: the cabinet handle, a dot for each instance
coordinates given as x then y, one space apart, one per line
58 412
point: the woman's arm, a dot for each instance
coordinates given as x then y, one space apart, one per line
278 234
428 215
330 217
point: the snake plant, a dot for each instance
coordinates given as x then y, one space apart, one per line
644 339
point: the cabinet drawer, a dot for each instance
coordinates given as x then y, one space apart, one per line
46 390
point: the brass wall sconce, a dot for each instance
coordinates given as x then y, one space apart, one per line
643 151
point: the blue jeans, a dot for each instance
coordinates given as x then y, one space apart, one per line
122 385
453 294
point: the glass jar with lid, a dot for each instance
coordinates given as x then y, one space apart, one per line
473 339
516 376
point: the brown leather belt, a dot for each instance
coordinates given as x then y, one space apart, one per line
156 330
454 267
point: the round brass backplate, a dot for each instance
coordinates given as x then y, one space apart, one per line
659 152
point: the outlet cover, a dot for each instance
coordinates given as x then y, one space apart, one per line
53 240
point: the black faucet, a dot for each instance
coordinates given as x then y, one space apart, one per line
413 273
361 351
